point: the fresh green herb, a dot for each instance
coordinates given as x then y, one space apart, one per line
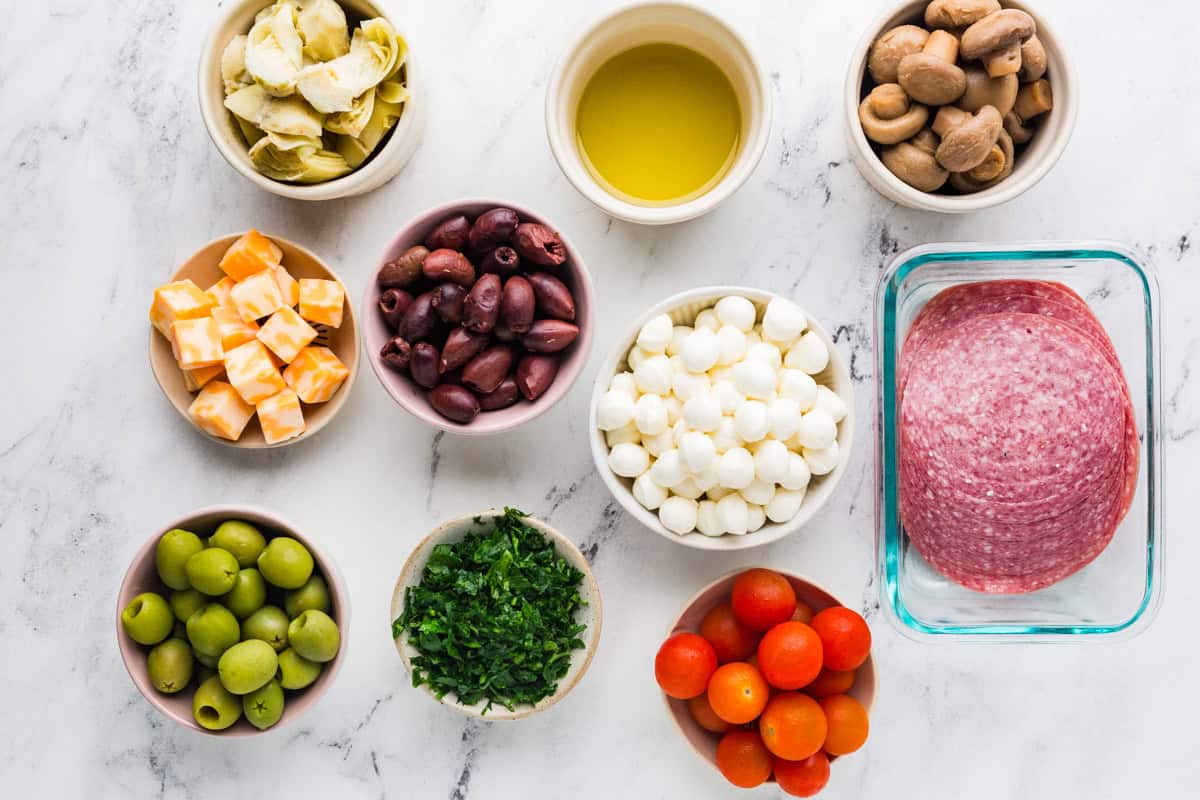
494 616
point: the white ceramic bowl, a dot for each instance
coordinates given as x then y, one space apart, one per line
1033 162
590 615
383 165
683 308
638 24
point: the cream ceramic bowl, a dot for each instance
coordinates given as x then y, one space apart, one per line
590 615
683 308
643 23
142 576
384 164
1035 159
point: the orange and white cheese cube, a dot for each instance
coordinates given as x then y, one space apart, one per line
286 333
220 290
289 286
250 254
220 411
176 301
196 343
321 301
316 374
252 373
280 417
195 379
257 296
234 330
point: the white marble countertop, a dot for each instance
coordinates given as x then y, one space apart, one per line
110 180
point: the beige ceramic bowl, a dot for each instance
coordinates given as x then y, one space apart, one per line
384 164
301 263
591 615
683 308
703 742
1035 159
142 576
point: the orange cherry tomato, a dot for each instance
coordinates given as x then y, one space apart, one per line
793 726
803 612
789 655
704 715
762 598
737 692
803 778
848 724
732 640
684 664
743 759
831 681
845 635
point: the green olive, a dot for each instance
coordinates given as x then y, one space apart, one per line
264 706
270 625
296 671
169 666
212 630
212 571
247 666
248 594
214 707
148 619
187 602
315 636
286 563
314 594
240 538
171 554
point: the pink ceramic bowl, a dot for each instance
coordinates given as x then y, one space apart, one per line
410 396
142 576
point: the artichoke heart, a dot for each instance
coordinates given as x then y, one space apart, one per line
357 149
392 92
323 28
333 85
274 50
288 115
297 162
233 65
352 122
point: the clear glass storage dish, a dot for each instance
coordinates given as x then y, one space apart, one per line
1119 592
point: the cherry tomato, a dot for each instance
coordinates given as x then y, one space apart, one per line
704 715
831 681
789 655
848 724
793 726
743 759
845 636
762 599
732 640
803 778
737 692
684 664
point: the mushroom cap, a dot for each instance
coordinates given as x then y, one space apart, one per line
914 165
1017 130
966 146
996 31
1033 60
984 90
958 13
964 183
892 46
896 129
930 80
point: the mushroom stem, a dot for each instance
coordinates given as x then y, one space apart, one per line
985 91
1033 99
888 101
1006 61
993 165
948 118
942 44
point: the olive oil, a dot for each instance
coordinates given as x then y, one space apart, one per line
658 124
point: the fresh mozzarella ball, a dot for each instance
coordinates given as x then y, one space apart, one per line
624 382
677 432
831 403
785 417
687 385
717 492
615 410
735 468
628 460
783 320
678 514
636 356
754 378
657 445
626 433
798 386
771 461
755 517
649 493
817 430
822 462
697 451
668 470
708 320
798 474
678 334
687 488
726 436
706 519
707 478
656 334
784 505
759 491
733 514
700 350
736 311
765 351
702 412
650 415
728 396
752 421
808 353
674 408
653 375
732 342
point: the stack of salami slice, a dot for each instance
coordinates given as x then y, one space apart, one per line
1018 444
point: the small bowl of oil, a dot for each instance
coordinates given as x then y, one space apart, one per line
658 112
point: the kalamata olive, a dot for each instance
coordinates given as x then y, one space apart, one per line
517 304
493 228
502 261
423 365
539 245
454 402
448 265
461 346
448 302
451 233
403 271
393 303
535 373
396 353
553 297
502 396
482 306
419 319
549 336
484 372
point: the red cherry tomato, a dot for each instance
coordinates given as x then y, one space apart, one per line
684 664
762 598
845 637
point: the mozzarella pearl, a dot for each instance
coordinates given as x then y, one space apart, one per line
628 460
687 488
717 492
752 421
656 334
759 492
785 417
615 410
697 451
657 445
650 415
765 351
732 343
817 430
736 311
700 350
624 382
674 408
653 375
687 385
829 402
735 469
678 334
668 470
798 474
754 378
771 461
726 436
784 505
649 493
702 412
626 433
678 514
636 356
822 462
733 514
755 517
808 353
707 319
678 430
798 386
707 478
783 320
706 519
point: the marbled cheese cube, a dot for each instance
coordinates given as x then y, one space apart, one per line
280 417
176 301
288 285
220 290
234 330
251 372
257 296
286 334
220 411
316 374
321 301
250 254
196 343
195 379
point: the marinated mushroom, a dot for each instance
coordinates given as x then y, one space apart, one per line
970 182
966 138
1033 60
996 40
983 90
958 13
894 45
1033 99
888 117
931 76
913 162
1016 129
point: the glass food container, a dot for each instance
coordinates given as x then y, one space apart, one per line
1119 592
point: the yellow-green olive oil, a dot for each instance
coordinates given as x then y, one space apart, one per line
658 124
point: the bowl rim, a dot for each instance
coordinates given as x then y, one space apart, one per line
566 548
1066 98
583 344
329 571
334 403
571 165
771 531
